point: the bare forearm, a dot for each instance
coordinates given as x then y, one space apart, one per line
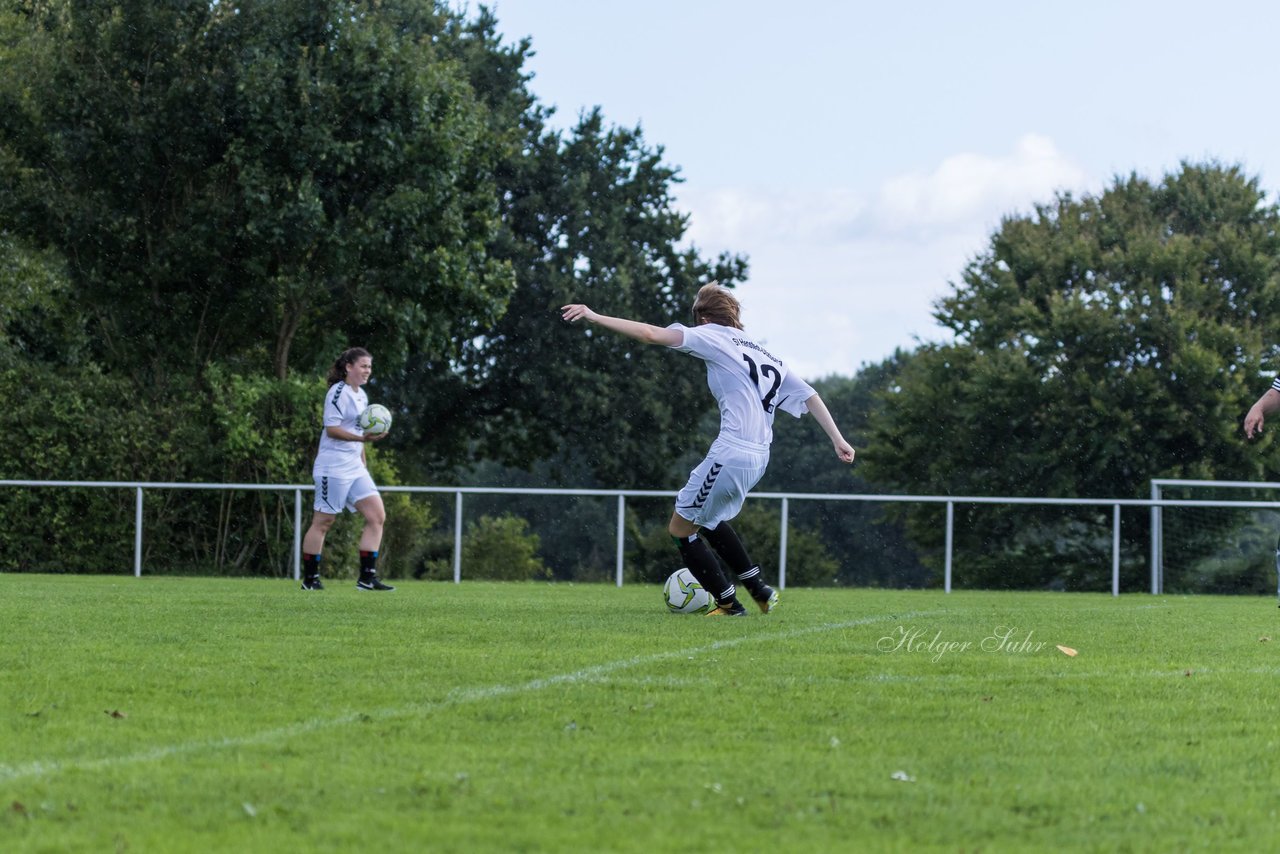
344 435
822 415
348 436
1268 404
644 332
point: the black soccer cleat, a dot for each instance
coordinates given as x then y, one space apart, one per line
370 581
312 582
767 601
733 609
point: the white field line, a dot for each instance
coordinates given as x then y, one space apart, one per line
587 675
41 768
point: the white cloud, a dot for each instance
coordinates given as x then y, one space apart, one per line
965 187
842 276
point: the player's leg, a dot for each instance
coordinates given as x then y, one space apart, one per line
369 505
725 540
706 497
312 546
722 493
702 562
326 509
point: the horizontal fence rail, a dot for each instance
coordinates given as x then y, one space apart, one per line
1158 486
1155 503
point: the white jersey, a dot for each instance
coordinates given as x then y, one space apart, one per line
336 458
749 383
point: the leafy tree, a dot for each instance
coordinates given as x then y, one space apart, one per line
38 322
206 201
256 182
869 545
588 218
1099 342
586 215
625 407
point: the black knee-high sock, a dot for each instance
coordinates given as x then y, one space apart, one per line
702 562
368 562
729 546
311 565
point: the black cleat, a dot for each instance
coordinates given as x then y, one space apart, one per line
733 609
767 601
312 582
370 581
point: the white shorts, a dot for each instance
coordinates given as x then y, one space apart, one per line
719 485
335 494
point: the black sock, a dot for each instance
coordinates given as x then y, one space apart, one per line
368 562
311 565
702 562
729 546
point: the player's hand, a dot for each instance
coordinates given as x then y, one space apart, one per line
1253 423
576 311
844 451
375 437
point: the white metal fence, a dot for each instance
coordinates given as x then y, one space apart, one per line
1158 503
1155 503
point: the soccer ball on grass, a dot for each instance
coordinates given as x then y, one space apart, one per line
684 595
375 419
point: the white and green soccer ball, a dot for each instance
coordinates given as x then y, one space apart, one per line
684 595
375 419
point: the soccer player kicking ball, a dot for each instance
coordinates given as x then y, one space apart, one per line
750 384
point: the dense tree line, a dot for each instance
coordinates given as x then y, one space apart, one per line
1098 343
201 204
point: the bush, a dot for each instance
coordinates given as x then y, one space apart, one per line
809 564
494 548
653 556
84 425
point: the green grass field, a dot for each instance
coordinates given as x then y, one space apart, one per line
166 714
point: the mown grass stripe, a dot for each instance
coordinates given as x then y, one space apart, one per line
45 768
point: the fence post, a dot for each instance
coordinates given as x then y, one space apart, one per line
457 538
1157 541
297 535
782 549
137 535
622 534
946 572
1115 552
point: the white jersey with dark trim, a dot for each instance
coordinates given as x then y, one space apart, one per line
336 458
749 383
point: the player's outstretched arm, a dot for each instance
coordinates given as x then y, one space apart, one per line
1268 404
823 415
643 332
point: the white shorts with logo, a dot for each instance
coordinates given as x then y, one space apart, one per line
719 485
335 494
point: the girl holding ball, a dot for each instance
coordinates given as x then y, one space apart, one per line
341 472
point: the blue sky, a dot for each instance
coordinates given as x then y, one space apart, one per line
860 153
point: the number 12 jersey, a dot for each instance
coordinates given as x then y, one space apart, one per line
749 383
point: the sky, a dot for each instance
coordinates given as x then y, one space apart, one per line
859 154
